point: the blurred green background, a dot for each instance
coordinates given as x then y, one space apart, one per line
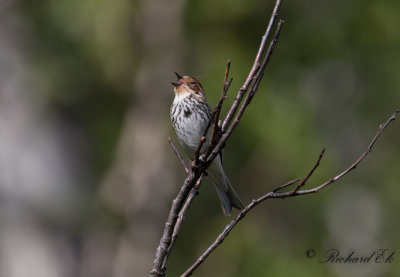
86 173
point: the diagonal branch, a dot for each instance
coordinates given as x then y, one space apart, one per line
227 230
166 237
254 69
181 216
247 101
276 194
356 163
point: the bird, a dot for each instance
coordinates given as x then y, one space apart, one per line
190 114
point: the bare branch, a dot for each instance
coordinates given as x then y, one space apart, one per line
166 237
275 194
249 96
355 164
228 229
178 155
227 83
258 77
253 69
309 173
288 184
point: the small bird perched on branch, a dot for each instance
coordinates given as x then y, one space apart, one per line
190 114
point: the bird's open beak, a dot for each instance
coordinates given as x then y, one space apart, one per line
178 76
180 81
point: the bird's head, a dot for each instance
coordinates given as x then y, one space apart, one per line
187 84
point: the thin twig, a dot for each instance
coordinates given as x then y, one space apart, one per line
309 173
178 155
214 139
258 77
288 184
355 164
225 87
275 194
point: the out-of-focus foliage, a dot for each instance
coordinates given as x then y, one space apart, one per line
82 52
333 78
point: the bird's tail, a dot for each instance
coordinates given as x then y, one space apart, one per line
229 199
227 194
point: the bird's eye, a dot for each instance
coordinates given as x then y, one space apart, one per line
192 83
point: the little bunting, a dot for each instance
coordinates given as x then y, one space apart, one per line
190 113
